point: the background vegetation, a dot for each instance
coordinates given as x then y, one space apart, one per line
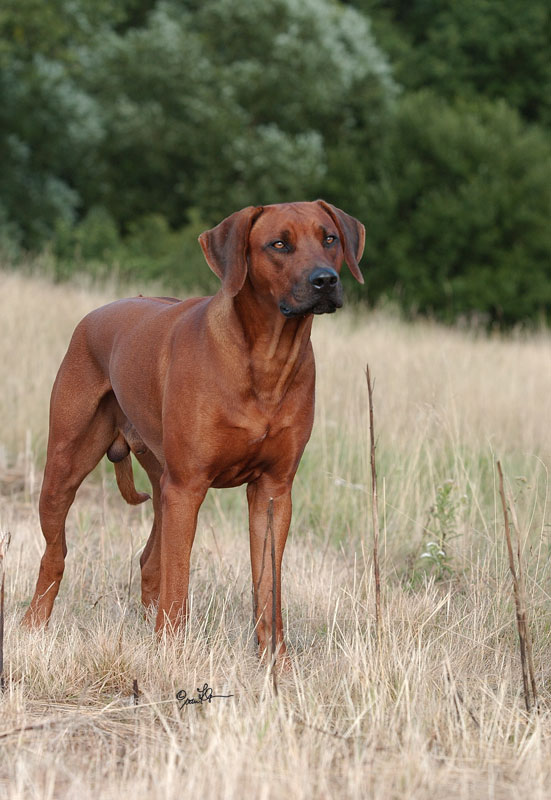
128 126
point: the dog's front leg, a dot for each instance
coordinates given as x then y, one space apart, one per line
180 506
269 520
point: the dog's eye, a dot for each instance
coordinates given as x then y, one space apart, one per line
279 245
329 240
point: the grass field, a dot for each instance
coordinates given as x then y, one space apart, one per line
436 712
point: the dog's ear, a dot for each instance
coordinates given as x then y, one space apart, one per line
225 247
352 236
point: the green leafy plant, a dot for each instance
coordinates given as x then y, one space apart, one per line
435 560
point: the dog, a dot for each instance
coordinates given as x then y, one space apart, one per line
207 392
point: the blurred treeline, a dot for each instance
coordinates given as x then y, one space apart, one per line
128 126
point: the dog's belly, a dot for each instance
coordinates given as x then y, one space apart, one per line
236 477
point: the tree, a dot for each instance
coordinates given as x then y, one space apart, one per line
48 124
458 217
499 50
51 127
220 104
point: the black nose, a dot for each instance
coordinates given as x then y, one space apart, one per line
323 278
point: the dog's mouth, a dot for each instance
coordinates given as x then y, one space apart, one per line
325 305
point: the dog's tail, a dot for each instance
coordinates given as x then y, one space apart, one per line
125 482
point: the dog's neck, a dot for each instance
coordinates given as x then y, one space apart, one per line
276 346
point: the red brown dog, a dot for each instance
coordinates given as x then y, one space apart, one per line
213 391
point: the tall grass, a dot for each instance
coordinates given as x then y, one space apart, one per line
436 711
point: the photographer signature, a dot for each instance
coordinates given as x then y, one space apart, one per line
204 695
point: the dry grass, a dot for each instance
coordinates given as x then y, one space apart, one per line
436 712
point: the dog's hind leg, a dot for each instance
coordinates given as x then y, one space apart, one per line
81 429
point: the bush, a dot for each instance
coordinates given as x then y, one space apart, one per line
458 215
497 50
155 252
230 104
151 251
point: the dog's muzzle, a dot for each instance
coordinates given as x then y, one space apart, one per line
321 293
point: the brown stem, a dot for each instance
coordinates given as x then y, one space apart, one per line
520 610
374 513
4 544
274 591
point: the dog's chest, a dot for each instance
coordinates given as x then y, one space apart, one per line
259 439
252 448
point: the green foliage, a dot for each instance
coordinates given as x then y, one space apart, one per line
96 237
125 125
151 250
435 560
444 511
154 250
231 104
499 50
48 123
460 211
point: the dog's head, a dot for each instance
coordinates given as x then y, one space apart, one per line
291 253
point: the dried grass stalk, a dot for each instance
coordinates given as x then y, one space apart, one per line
274 592
525 642
374 512
4 545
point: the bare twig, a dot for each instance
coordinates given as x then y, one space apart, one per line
4 544
519 604
33 727
255 595
131 575
374 513
274 592
522 592
135 691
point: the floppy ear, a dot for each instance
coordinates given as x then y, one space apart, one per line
352 236
225 247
